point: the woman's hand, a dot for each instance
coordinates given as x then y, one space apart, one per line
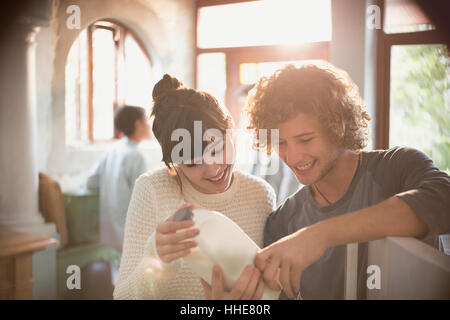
249 286
173 238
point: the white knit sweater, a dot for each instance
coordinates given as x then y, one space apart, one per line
156 196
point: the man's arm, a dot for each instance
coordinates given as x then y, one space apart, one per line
390 218
294 253
424 188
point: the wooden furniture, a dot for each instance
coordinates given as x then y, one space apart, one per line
16 250
51 205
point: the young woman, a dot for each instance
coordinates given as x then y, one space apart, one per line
151 267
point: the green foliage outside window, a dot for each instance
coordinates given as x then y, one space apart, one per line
420 100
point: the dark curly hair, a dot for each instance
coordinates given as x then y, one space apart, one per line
317 88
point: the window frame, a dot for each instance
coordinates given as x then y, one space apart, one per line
383 77
234 56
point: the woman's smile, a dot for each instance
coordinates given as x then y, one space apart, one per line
220 177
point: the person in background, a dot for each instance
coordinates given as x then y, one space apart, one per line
115 174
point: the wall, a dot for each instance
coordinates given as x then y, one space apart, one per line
352 49
347 45
370 74
44 72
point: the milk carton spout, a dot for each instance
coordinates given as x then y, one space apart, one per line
183 214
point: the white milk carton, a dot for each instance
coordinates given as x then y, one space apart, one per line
220 241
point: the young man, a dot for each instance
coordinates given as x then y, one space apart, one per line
116 173
350 195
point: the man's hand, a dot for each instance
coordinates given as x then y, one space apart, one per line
290 256
249 286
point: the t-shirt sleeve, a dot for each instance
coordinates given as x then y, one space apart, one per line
270 231
425 189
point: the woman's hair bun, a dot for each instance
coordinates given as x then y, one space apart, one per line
165 85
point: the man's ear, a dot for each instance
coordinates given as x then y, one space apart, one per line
118 134
137 124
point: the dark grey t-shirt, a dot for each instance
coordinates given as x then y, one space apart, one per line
404 172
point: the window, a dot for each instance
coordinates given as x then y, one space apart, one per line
266 22
420 100
106 67
240 41
211 75
249 73
404 16
412 85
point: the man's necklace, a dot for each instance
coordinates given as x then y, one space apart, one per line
323 196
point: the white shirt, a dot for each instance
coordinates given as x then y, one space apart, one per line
115 176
